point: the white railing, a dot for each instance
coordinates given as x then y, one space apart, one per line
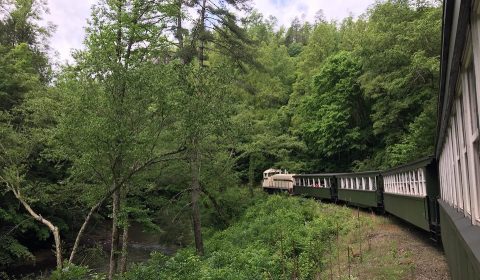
366 183
313 182
411 183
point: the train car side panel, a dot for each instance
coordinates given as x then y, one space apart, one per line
409 208
461 242
359 198
322 193
321 186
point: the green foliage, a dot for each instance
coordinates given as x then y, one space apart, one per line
277 238
11 251
17 75
333 120
71 272
417 142
401 73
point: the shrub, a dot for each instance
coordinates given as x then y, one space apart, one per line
277 238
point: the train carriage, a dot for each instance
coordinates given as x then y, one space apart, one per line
363 189
410 193
458 137
321 186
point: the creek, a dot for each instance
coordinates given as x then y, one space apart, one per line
141 244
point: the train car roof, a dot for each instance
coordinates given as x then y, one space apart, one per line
272 170
454 34
283 176
374 172
319 175
409 166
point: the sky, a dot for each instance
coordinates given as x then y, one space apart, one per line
70 17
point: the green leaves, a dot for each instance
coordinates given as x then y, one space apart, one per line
361 113
333 120
400 67
277 238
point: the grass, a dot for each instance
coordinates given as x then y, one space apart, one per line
370 251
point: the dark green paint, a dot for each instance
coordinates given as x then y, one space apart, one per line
461 242
359 198
409 208
324 193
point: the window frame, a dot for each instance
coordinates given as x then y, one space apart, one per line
469 72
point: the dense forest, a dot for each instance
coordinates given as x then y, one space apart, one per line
173 109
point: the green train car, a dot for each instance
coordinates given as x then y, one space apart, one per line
362 189
411 192
320 186
458 137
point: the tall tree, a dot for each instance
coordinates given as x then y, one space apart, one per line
215 30
117 99
24 71
400 72
334 120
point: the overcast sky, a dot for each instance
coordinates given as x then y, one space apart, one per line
70 16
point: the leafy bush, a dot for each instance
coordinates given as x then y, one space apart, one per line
70 272
277 238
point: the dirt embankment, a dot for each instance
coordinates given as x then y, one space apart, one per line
386 248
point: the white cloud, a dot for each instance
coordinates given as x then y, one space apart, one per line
286 10
70 17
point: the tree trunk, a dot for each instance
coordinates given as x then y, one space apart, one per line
123 260
197 225
179 31
82 229
251 174
201 53
53 229
115 235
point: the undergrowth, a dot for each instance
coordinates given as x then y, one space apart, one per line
278 238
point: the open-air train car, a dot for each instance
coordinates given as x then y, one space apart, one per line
363 189
458 137
321 186
411 191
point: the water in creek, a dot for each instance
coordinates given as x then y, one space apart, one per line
141 245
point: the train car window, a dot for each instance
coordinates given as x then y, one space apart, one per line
473 76
453 134
410 182
458 162
462 160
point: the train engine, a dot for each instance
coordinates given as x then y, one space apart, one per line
276 180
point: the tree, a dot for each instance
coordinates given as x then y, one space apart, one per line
215 30
400 69
20 23
322 43
116 107
24 71
17 146
263 136
334 120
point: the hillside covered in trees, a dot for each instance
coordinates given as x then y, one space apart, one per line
173 109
